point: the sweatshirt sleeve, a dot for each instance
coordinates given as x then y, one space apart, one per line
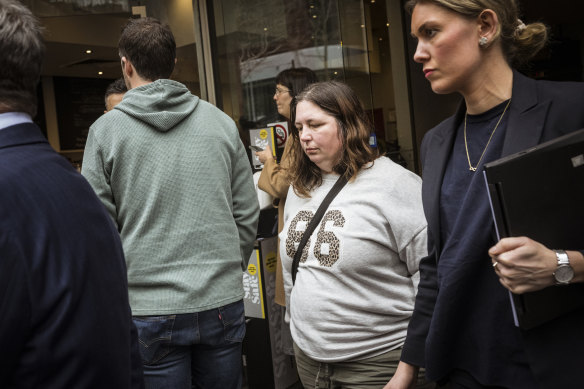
273 178
414 252
94 170
246 208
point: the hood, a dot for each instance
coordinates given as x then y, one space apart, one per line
161 104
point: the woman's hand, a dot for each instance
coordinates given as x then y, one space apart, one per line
405 377
523 265
264 155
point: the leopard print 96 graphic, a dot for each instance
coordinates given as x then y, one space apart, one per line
326 247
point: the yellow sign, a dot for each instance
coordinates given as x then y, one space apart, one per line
252 269
263 134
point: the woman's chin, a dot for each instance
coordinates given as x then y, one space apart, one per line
440 88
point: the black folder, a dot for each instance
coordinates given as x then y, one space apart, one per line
539 193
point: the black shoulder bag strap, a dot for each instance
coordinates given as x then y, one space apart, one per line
314 222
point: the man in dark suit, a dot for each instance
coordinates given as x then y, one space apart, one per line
65 320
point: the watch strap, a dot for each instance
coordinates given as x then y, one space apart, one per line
562 257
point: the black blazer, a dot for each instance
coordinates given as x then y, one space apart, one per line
65 319
539 111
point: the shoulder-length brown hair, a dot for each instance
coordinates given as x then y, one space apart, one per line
339 101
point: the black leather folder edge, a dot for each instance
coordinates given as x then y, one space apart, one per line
539 193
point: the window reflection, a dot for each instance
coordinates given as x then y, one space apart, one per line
337 39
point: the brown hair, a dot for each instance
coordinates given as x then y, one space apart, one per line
23 49
150 46
296 79
339 101
519 42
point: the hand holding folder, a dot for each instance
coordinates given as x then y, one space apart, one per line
539 193
523 264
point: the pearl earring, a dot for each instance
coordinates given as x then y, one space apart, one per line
483 41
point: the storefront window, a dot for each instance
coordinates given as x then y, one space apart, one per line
346 40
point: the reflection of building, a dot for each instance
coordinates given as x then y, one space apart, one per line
347 40
260 73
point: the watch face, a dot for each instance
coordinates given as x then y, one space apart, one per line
564 274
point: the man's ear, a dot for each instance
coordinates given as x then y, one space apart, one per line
127 67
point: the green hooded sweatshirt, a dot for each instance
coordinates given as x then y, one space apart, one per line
175 177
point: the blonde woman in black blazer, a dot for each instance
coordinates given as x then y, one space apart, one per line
462 329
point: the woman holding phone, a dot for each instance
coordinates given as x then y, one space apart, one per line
273 178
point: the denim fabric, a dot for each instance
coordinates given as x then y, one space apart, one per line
193 350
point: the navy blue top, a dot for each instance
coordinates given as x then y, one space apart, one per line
467 277
458 177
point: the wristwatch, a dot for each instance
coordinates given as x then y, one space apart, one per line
564 272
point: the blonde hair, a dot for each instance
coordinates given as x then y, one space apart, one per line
520 42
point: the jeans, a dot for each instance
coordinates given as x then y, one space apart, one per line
193 350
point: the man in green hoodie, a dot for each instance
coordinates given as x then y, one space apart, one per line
174 176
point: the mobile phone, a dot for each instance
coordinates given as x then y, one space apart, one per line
255 148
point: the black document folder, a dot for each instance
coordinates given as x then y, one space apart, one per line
539 193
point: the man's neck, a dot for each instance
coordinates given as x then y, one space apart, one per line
137 81
8 119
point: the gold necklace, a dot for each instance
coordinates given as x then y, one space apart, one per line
470 166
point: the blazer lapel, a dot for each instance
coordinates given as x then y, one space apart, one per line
438 152
526 116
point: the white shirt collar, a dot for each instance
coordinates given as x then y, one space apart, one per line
13 118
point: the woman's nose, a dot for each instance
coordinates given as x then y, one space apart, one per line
421 53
